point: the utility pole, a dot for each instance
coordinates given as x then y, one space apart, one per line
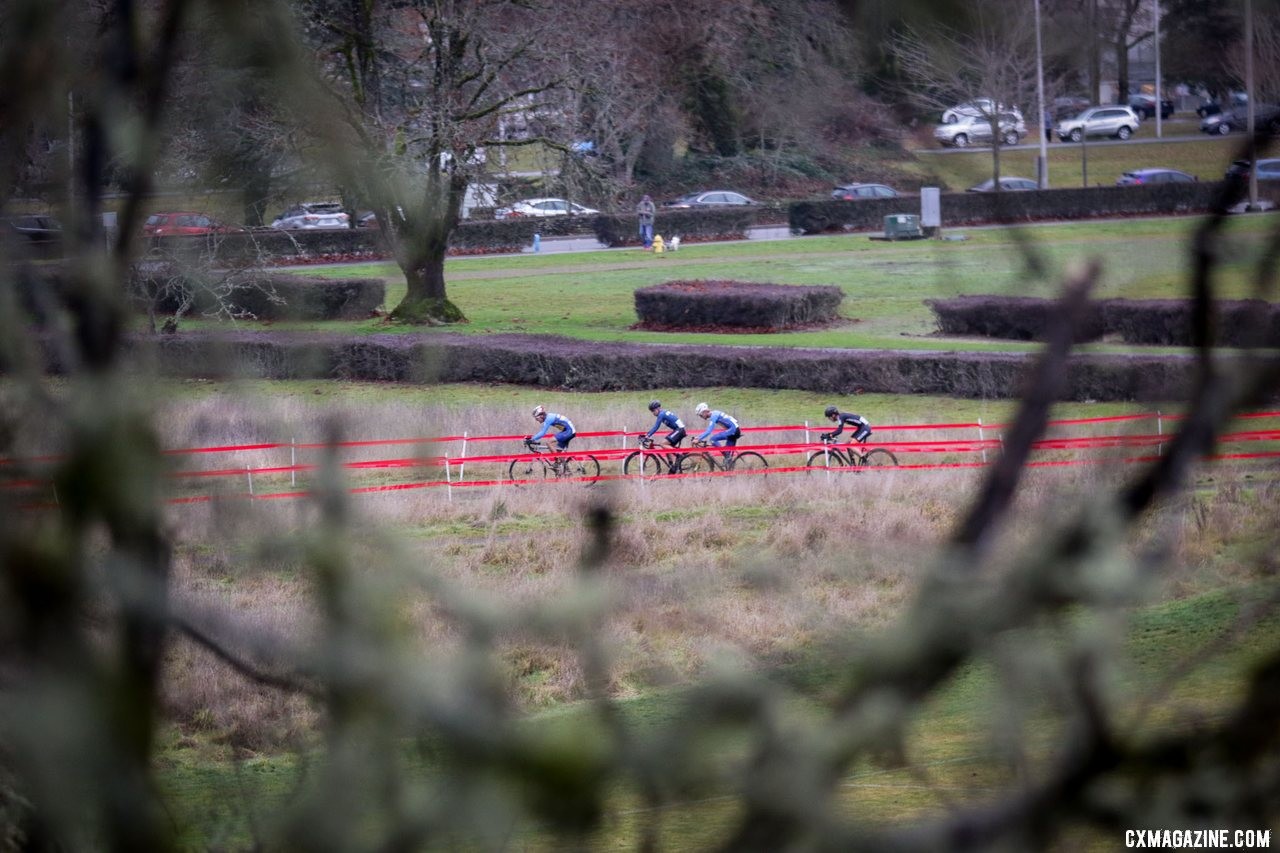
1159 79
1248 86
1042 164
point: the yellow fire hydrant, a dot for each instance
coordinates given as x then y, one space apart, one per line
658 247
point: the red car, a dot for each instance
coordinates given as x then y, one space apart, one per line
184 223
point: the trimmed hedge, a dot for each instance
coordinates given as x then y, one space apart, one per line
601 366
1166 322
728 224
262 295
965 208
739 304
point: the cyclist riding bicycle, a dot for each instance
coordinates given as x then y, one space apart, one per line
550 420
667 418
729 433
861 426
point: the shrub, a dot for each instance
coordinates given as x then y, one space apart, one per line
1165 322
168 289
728 224
609 366
743 305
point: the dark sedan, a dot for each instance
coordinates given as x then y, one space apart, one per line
1146 177
1268 169
1265 118
1006 185
709 198
1145 106
855 192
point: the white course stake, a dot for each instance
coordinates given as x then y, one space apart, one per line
982 440
249 475
293 461
462 468
447 478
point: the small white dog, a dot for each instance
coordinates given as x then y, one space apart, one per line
674 244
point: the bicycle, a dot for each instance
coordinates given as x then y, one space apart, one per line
833 456
555 467
717 459
657 464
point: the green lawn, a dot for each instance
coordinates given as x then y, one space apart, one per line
589 295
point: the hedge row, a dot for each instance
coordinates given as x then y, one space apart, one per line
597 366
728 224
1239 323
813 217
258 294
739 304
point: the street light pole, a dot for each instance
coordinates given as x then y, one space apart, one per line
1159 79
1248 86
1042 167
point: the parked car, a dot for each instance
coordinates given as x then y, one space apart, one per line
1120 122
34 228
977 129
1268 169
854 192
184 223
1265 117
1009 184
1144 177
1212 107
1145 106
544 207
312 215
709 198
977 108
1068 107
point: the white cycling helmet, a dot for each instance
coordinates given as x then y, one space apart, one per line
702 408
539 411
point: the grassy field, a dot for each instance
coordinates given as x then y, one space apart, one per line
589 295
785 579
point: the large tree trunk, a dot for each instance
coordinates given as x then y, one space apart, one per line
421 241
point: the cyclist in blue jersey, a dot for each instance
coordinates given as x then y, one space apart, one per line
551 421
667 418
861 426
729 431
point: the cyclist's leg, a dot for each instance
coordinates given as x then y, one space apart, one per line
864 432
673 439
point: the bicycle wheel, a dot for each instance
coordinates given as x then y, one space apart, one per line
526 469
645 464
748 461
880 458
583 466
826 459
696 463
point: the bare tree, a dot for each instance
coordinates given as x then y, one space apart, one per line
990 57
421 90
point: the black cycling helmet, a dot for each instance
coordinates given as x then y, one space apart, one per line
654 405
832 411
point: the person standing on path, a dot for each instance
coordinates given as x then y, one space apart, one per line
645 212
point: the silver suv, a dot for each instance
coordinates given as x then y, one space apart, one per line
967 130
1120 122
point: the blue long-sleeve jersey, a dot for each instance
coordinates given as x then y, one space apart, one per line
718 419
667 417
559 422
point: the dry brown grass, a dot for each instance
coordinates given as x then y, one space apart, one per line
761 570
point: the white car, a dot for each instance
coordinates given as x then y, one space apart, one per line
312 215
977 108
544 207
969 130
1120 122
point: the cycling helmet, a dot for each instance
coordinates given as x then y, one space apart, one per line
539 411
702 408
654 405
832 411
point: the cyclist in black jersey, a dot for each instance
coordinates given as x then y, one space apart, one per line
861 426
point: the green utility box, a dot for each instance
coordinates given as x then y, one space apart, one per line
902 226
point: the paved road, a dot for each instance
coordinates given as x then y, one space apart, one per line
1092 143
